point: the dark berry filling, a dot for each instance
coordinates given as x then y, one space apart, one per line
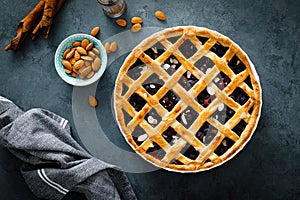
224 146
127 117
169 100
223 113
187 117
188 80
153 84
188 49
204 99
236 65
155 51
170 135
240 127
136 69
239 96
171 64
139 135
176 162
137 102
251 110
190 152
153 118
219 49
206 133
222 80
204 63
202 39
174 39
248 82
156 151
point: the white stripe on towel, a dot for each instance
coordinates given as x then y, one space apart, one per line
44 177
4 99
65 124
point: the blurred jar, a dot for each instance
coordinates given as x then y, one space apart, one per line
113 8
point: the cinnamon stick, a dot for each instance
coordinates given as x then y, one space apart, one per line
25 25
40 24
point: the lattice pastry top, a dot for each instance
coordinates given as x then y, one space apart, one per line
187 99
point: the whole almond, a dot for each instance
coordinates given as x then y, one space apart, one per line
76 55
136 20
89 46
93 101
107 47
136 28
70 54
90 75
87 58
76 44
81 76
87 63
91 54
95 31
96 64
96 51
86 70
66 52
121 22
68 71
160 15
113 46
67 64
74 74
84 43
81 50
72 61
78 64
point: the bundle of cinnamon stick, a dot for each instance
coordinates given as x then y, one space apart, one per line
39 18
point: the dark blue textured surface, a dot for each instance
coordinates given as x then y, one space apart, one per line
268 31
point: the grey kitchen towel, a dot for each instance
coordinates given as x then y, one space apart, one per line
54 163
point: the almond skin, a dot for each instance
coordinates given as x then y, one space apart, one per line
96 64
70 54
78 64
113 46
66 52
95 31
84 43
136 28
160 15
67 65
81 50
93 101
89 46
121 22
76 44
136 20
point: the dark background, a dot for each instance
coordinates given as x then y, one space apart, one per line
268 31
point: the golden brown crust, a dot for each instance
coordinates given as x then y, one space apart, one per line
207 159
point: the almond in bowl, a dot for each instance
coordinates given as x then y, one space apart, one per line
80 59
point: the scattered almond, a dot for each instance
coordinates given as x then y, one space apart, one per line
93 101
136 20
121 22
95 31
113 46
136 28
107 47
160 15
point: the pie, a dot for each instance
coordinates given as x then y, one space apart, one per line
187 99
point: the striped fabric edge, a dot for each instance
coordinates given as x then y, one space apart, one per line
63 122
46 179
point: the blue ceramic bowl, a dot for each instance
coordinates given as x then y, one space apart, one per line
67 43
